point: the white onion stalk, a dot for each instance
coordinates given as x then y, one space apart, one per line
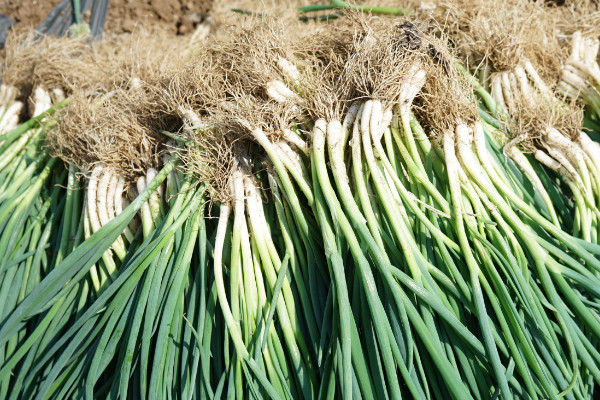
87 233
248 281
591 148
128 196
40 101
336 150
408 92
350 119
202 31
232 325
574 78
573 152
146 215
57 95
278 91
266 144
578 70
548 161
289 69
118 205
585 71
236 287
296 140
294 164
514 86
292 156
92 207
581 215
477 136
567 89
119 245
497 91
191 120
581 73
471 164
269 259
517 156
564 161
524 86
92 198
102 197
10 117
7 94
285 306
507 91
386 119
463 143
370 120
537 81
576 46
154 200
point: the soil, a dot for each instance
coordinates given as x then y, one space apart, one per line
175 16
27 13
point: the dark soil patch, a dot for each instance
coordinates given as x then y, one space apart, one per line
175 16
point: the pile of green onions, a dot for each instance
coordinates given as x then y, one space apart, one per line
336 219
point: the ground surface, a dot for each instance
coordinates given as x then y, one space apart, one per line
176 16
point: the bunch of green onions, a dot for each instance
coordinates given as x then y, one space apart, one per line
372 243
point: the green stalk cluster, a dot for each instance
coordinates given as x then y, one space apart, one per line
364 252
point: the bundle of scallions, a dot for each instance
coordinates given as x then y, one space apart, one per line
340 212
